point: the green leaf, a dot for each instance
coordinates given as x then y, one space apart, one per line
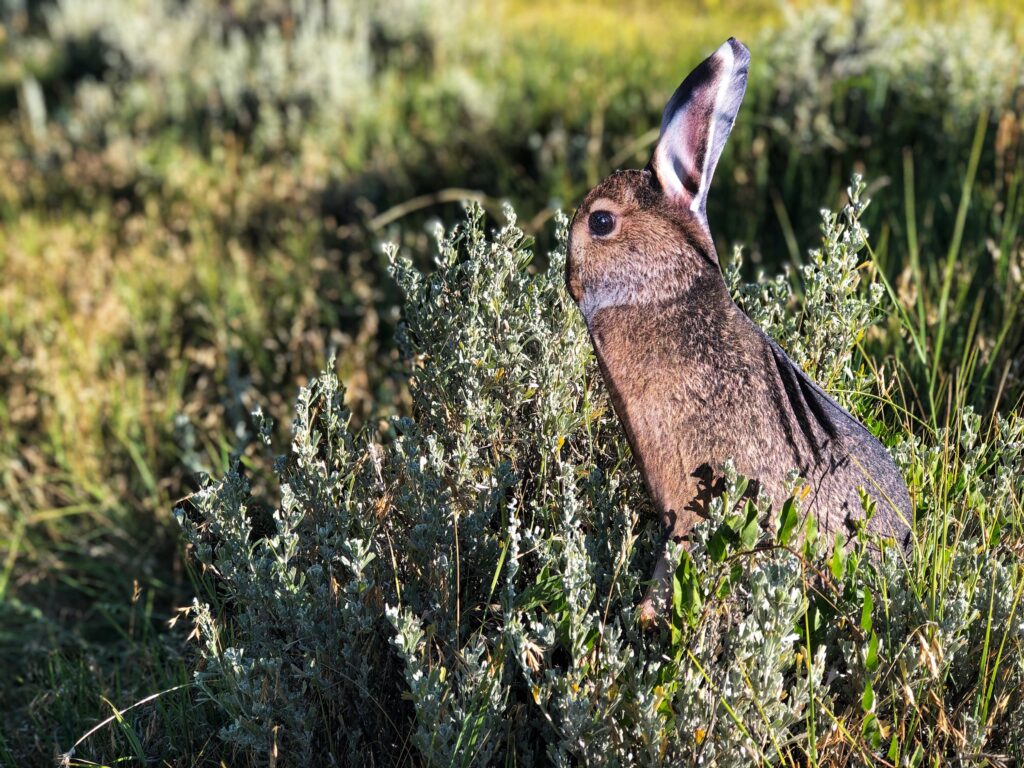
867 699
868 503
811 537
837 565
894 750
787 521
750 532
872 731
735 573
718 544
724 588
865 611
871 657
996 534
686 594
742 483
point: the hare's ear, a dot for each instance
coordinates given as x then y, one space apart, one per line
696 123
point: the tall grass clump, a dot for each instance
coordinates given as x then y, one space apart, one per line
464 592
934 110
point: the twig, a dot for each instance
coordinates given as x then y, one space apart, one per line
65 759
453 195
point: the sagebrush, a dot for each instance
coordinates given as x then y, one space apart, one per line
465 592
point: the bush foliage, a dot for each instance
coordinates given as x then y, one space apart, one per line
464 594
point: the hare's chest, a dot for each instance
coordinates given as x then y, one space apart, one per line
669 417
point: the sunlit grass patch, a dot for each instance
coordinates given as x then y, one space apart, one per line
660 30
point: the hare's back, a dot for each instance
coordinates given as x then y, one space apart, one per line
845 457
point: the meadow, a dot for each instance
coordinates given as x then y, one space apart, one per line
426 547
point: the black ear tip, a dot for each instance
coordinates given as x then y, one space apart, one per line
739 50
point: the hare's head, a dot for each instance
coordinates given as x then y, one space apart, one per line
641 237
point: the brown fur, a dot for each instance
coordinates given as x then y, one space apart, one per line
695 382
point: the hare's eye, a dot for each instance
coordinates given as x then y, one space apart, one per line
601 223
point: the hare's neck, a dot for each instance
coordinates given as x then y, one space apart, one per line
660 284
668 353
657 342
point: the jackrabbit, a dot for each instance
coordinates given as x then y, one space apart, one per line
692 379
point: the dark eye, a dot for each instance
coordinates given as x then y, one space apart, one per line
601 223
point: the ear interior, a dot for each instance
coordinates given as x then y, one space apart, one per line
697 122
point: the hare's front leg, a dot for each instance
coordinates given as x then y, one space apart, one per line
677 528
659 592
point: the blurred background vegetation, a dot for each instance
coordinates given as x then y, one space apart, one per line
193 194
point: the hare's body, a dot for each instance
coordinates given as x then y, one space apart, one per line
743 400
693 380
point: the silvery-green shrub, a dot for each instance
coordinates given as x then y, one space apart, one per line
269 69
464 592
836 75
